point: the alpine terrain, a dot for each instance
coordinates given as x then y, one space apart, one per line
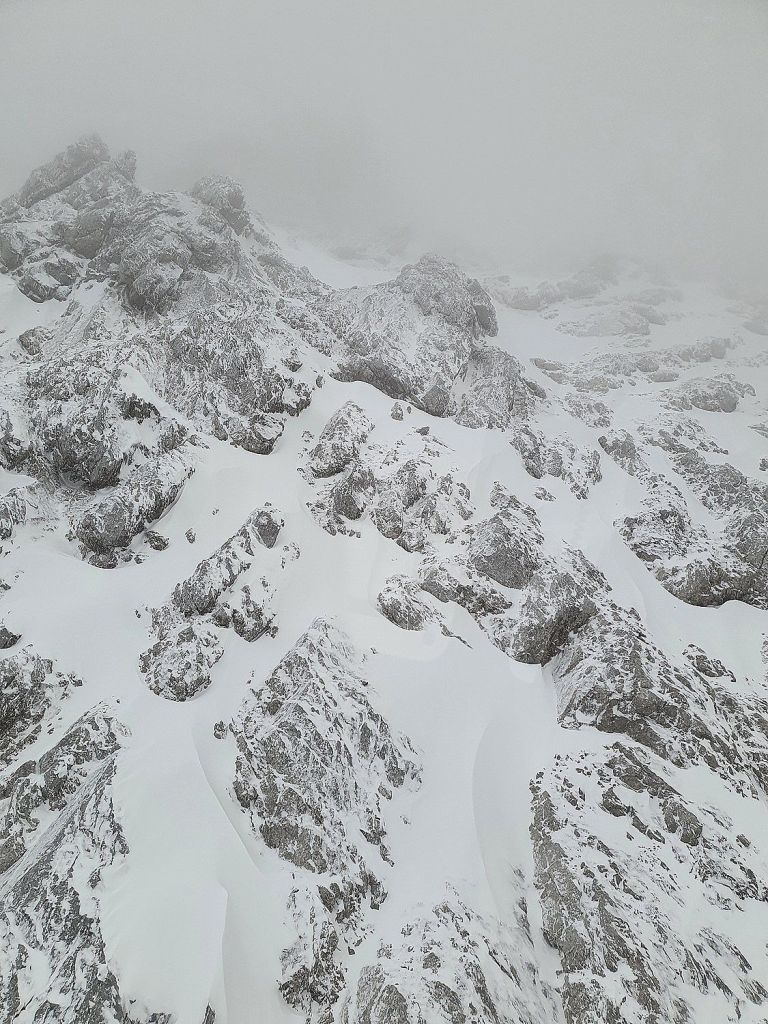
380 645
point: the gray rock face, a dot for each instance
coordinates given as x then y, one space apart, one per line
48 919
454 965
31 690
713 394
438 287
409 491
340 440
500 550
226 197
159 243
622 449
610 323
8 638
62 216
628 951
587 283
63 171
558 457
702 565
77 417
200 592
227 368
683 716
401 603
529 604
48 783
315 770
111 523
558 602
59 833
495 391
619 368
179 665
213 598
412 337
318 682
13 511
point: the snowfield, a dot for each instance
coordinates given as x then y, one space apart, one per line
471 724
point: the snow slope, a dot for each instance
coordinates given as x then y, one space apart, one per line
538 806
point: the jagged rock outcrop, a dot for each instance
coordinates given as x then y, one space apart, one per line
13 512
625 867
316 768
110 524
32 690
340 440
412 337
453 965
495 391
47 783
557 457
704 565
53 962
401 602
214 597
612 676
409 491
612 370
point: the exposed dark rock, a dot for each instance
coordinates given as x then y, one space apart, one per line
340 440
179 665
8 638
412 337
315 769
111 523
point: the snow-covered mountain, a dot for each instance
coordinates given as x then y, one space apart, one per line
384 653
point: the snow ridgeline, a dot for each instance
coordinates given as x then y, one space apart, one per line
321 707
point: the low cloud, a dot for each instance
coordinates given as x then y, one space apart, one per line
532 134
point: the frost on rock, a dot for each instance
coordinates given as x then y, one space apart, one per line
53 962
316 770
45 785
635 884
409 492
622 367
212 598
401 602
340 440
412 337
703 564
558 457
13 512
610 675
111 523
31 691
527 602
451 964
609 323
179 665
625 730
495 391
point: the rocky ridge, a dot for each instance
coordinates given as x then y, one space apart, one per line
562 515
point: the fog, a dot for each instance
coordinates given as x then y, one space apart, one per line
534 133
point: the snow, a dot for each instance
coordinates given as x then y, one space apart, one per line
195 914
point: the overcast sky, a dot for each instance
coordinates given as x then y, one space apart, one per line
537 132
